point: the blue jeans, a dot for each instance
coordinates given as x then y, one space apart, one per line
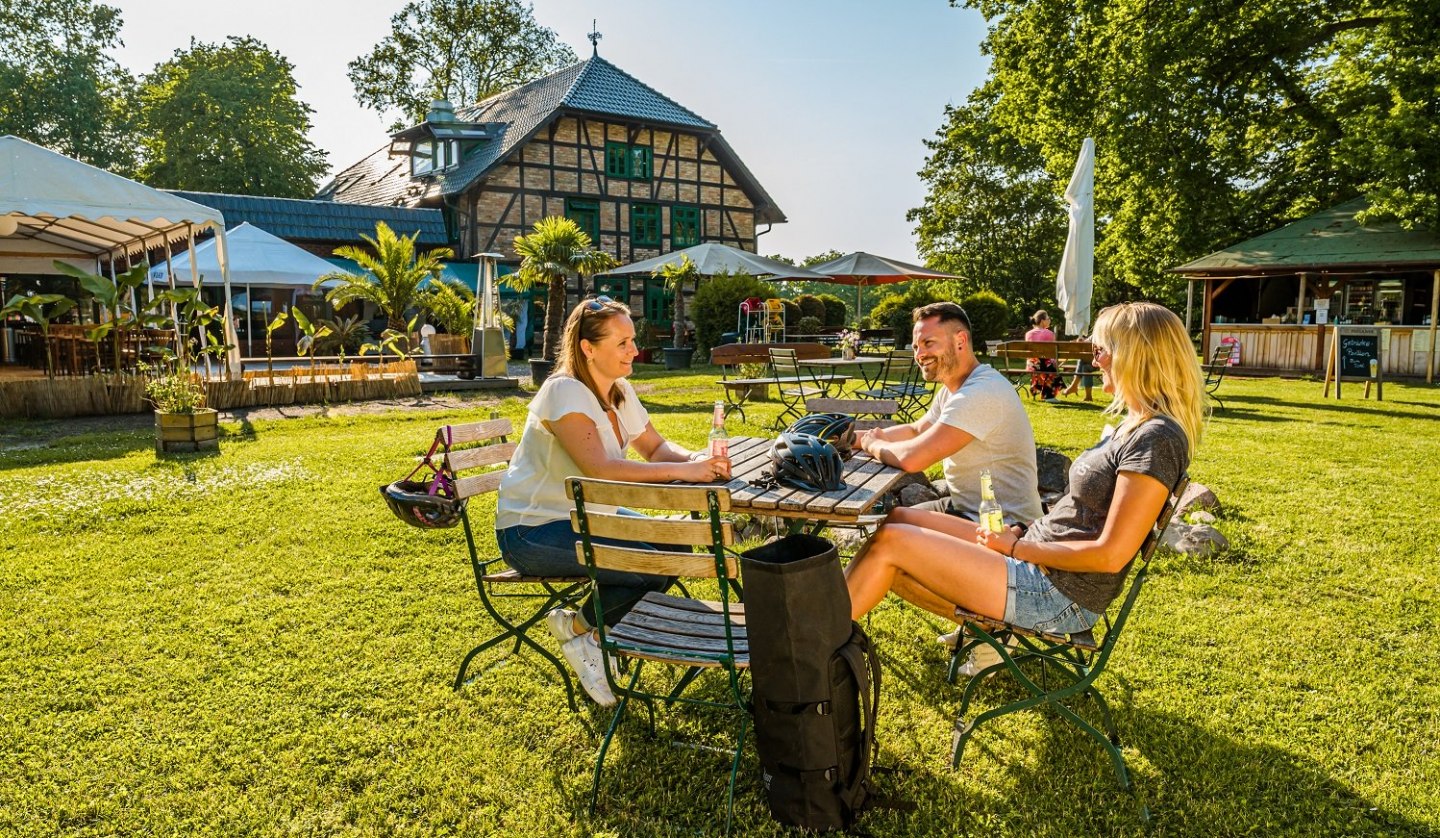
549 550
1033 601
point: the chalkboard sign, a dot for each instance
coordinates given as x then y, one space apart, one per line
1358 347
1355 355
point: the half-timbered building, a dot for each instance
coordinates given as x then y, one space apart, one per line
642 174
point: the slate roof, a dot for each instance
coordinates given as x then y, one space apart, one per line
1328 241
297 219
593 86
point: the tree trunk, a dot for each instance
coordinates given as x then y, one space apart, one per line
678 327
554 317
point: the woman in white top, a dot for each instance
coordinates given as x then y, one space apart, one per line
581 422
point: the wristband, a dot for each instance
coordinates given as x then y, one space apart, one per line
1011 553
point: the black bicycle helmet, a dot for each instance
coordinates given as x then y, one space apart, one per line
805 461
426 505
835 428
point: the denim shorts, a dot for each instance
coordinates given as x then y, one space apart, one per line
1033 601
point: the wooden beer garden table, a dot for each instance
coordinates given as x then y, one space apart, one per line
866 482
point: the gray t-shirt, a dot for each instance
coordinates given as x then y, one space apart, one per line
1157 448
987 408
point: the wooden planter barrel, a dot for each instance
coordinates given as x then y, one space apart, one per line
179 432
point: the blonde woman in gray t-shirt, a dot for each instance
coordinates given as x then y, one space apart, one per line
1061 573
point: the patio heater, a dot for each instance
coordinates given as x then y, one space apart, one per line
488 339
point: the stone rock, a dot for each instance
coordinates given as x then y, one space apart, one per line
942 488
847 539
917 493
1195 539
1200 516
1052 471
911 478
1197 497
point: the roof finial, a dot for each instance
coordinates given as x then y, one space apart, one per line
594 38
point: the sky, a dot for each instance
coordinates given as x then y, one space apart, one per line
828 102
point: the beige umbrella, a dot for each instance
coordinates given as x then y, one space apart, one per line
861 269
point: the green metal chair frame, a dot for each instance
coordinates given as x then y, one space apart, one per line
900 380
495 585
1073 661
795 385
1215 372
682 632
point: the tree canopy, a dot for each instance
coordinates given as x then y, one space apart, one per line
460 50
226 118
1212 123
62 90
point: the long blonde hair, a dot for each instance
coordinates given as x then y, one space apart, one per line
1152 366
589 320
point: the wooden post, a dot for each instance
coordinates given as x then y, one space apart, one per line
1330 368
1205 308
1434 320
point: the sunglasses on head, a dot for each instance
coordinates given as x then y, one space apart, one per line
599 303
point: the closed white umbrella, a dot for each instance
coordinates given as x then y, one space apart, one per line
1076 278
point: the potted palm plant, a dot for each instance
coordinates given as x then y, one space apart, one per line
677 276
554 249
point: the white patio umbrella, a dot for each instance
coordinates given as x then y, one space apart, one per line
711 258
861 269
1076 277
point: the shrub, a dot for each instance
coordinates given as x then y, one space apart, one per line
792 316
896 311
716 305
989 316
835 311
809 326
811 306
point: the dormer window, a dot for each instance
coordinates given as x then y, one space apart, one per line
440 141
632 162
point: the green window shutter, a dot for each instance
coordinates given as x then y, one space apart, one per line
586 214
645 225
684 227
617 160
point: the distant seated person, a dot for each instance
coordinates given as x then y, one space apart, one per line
1059 574
1044 376
580 423
975 422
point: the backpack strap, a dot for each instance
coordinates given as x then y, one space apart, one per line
856 653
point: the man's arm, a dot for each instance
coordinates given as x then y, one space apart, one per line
918 451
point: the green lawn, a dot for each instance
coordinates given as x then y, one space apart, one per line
250 644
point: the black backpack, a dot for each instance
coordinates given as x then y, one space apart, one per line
816 684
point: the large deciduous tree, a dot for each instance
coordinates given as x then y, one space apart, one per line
226 118
1212 122
61 89
460 50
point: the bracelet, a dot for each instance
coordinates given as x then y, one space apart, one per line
1011 554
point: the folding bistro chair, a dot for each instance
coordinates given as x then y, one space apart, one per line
1215 372
794 385
900 380
1068 664
539 595
678 631
774 328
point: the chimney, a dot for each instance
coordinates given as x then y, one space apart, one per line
441 111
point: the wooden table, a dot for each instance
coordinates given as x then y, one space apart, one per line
866 481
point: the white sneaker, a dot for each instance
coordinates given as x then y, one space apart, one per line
561 622
951 639
982 657
584 656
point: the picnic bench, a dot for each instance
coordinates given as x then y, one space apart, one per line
1012 359
737 391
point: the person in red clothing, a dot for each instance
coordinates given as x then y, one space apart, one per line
1044 378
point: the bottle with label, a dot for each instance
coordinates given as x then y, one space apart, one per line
992 517
719 440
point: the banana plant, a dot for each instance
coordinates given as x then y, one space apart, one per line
191 313
43 309
393 341
310 331
110 294
270 328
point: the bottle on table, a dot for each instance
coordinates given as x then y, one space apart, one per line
992 517
719 439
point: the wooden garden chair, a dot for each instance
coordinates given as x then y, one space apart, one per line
494 582
1215 372
676 631
1067 664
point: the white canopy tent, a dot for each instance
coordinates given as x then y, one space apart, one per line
54 207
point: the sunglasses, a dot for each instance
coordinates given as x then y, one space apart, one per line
600 303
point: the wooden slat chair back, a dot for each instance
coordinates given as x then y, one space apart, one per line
478 470
795 385
678 631
1215 372
1069 664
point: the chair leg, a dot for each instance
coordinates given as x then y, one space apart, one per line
735 771
610 734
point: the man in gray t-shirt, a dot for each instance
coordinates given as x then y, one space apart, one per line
975 422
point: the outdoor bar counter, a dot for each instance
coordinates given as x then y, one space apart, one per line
1404 350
